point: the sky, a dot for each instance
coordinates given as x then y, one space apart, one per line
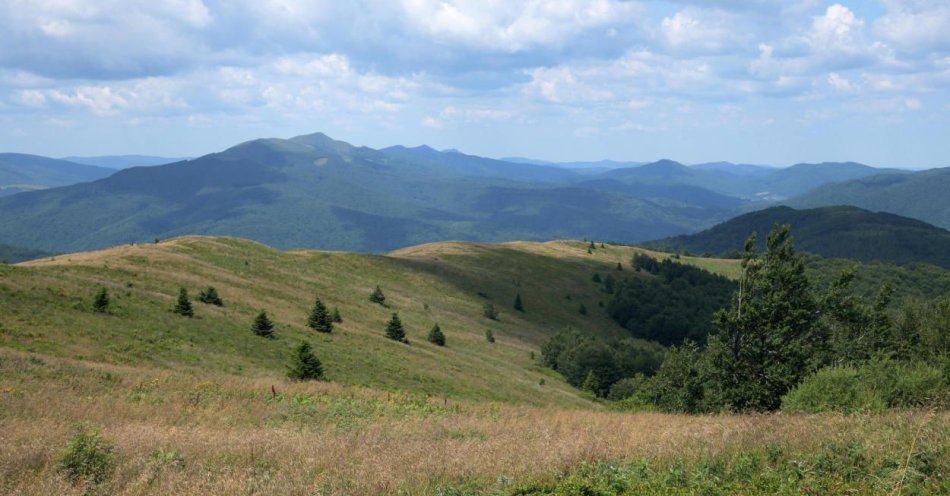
755 81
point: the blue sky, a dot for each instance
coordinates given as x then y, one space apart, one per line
757 81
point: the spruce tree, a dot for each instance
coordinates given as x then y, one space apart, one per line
306 366
378 297
335 316
183 306
263 326
436 336
591 246
596 278
518 305
489 336
210 296
101 303
395 331
582 309
319 319
771 337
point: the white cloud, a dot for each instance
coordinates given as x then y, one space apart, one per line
839 83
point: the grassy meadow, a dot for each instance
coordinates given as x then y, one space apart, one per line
202 405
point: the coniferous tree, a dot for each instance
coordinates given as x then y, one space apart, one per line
395 331
335 316
319 319
378 297
183 306
596 278
488 310
210 296
306 366
609 283
518 305
769 340
263 326
619 266
101 303
591 384
591 246
582 309
489 336
436 336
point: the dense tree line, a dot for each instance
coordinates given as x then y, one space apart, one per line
676 304
579 356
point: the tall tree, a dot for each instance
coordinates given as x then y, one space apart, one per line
395 330
436 336
262 325
306 366
101 303
183 305
771 337
319 319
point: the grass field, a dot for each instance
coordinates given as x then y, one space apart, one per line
202 406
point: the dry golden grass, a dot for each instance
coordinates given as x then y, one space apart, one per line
234 437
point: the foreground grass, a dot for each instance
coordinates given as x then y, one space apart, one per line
214 433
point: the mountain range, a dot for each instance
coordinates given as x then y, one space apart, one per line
124 161
21 172
313 191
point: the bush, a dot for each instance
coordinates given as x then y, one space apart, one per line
874 386
88 456
833 389
488 310
489 336
101 303
436 336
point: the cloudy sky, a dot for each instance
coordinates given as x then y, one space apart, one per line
761 81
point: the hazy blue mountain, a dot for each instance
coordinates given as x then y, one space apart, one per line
834 232
313 191
581 167
737 169
21 172
14 254
923 195
124 161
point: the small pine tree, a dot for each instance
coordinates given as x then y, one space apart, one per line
582 309
591 384
609 283
602 246
335 316
436 336
596 278
378 297
591 246
319 319
589 251
488 310
489 336
263 326
183 306
518 305
395 331
306 367
101 303
619 266
210 296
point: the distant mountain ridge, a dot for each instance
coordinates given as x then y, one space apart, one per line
22 172
313 191
833 232
124 161
923 195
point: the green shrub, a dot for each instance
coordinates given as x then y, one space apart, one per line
88 456
838 389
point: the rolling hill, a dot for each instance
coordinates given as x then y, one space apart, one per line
444 283
920 195
21 172
834 232
123 161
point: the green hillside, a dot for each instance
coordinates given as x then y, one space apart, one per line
14 254
46 308
921 195
832 232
